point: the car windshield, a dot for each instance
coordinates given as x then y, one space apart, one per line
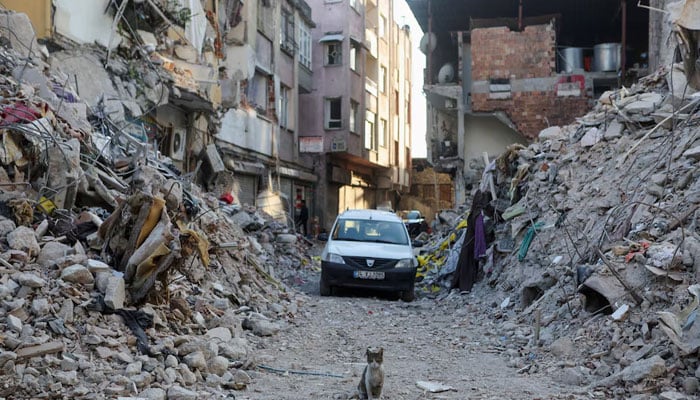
362 230
413 215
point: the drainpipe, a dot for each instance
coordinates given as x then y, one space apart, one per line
430 44
624 39
520 16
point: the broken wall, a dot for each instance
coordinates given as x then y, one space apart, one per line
524 63
501 53
244 128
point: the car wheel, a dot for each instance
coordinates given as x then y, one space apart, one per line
408 295
324 288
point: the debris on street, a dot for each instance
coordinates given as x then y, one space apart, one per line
592 239
120 276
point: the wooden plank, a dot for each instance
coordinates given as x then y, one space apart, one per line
40 350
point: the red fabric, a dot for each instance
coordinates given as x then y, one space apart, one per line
19 112
227 197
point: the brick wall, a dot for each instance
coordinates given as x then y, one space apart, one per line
533 111
499 53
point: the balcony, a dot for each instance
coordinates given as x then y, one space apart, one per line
371 87
371 42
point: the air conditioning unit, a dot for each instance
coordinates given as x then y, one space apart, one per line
178 143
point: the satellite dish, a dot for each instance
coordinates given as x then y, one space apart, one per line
428 38
446 73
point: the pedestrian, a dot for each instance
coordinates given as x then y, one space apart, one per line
304 218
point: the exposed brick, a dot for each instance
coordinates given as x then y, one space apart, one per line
498 52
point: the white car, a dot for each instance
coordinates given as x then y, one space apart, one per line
369 249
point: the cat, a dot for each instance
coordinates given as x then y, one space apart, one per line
370 386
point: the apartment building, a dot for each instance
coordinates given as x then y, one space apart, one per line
268 66
355 123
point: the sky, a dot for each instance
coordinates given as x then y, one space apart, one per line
404 16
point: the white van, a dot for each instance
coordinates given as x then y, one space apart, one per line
369 249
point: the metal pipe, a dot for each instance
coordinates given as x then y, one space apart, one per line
520 16
430 44
624 40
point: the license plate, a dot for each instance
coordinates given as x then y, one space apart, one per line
377 275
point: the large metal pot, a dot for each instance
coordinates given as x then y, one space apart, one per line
570 58
606 57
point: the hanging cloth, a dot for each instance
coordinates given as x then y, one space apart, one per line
479 237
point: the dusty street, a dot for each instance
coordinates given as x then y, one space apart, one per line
440 340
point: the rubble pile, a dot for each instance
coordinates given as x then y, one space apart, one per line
593 247
119 275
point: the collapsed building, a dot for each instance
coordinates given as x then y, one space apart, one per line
498 72
130 262
191 80
583 246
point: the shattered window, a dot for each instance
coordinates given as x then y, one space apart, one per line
258 92
287 31
334 53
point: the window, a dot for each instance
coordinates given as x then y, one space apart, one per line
333 115
397 104
257 92
287 31
370 132
382 132
284 106
382 26
357 5
265 18
382 79
499 88
354 50
334 53
305 45
354 110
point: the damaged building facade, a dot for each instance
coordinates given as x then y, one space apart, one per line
499 72
207 83
360 145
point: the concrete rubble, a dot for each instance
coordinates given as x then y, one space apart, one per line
593 248
119 276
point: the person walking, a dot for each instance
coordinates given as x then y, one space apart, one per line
304 218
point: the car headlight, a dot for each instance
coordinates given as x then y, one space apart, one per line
405 263
334 258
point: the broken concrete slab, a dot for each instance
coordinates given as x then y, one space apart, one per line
591 137
64 172
551 133
693 153
94 83
30 280
77 274
115 293
23 39
51 252
613 131
23 238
